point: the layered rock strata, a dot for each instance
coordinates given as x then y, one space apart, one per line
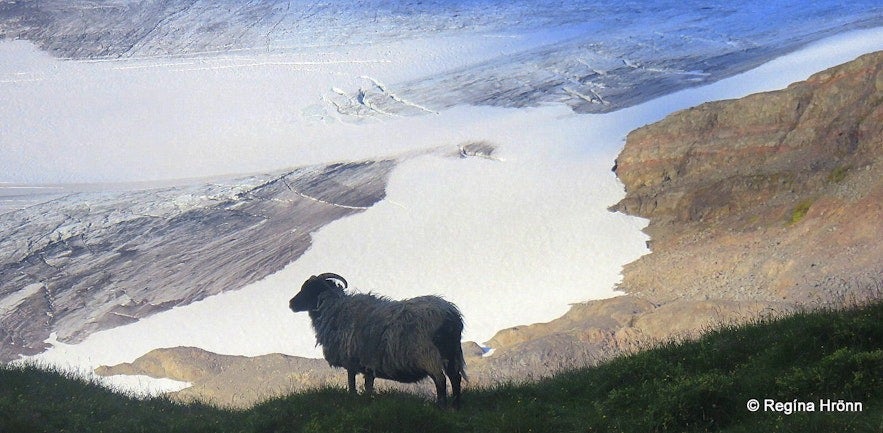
772 197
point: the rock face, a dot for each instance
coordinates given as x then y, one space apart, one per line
773 197
757 206
96 260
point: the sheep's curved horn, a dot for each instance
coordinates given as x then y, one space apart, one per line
333 277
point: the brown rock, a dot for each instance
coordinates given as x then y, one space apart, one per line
773 197
757 206
230 381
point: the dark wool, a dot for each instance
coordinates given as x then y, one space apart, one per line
405 340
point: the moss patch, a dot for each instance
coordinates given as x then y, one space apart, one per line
799 211
838 174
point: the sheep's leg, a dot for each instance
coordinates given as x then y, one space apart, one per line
369 382
441 389
454 369
351 380
455 391
455 377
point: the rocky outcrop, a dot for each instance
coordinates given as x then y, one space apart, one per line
757 207
773 197
230 381
240 381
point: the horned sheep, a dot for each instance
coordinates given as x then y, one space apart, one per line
404 341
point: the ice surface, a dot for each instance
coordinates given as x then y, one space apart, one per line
206 88
511 241
10 302
113 255
201 117
589 54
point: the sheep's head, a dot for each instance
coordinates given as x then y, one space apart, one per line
308 297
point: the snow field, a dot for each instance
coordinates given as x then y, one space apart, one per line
158 119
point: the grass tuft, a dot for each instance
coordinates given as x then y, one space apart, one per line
839 173
800 211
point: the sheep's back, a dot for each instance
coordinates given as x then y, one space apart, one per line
402 336
394 339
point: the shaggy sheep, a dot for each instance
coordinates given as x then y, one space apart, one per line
404 341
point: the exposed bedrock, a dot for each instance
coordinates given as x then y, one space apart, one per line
773 197
757 206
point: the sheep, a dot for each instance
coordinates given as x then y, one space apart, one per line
404 341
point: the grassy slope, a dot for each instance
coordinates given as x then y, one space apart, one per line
695 386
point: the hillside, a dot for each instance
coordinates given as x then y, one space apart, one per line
704 385
773 197
756 206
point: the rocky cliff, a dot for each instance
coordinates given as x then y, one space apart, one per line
773 197
757 206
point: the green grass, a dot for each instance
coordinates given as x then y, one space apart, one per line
839 173
800 211
686 387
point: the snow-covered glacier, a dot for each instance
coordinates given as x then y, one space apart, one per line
172 171
94 260
592 55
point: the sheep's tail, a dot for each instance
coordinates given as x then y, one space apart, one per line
462 365
455 362
447 340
